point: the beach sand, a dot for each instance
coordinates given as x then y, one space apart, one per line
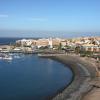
93 95
85 74
85 82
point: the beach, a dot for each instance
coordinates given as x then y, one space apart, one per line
84 80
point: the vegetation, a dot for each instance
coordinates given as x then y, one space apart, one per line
77 50
86 53
60 47
43 47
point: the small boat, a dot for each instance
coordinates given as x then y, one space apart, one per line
7 58
0 57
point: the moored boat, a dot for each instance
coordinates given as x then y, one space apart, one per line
5 57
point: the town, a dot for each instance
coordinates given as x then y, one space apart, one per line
84 46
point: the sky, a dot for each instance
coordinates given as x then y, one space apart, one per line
49 17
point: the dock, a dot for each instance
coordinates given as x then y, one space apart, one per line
51 55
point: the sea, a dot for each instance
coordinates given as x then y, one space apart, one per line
10 40
6 41
29 77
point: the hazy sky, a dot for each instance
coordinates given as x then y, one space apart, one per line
48 15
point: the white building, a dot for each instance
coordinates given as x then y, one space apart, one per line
50 43
25 42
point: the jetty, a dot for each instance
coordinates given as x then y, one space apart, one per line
51 55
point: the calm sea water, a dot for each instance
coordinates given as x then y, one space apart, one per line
32 78
7 41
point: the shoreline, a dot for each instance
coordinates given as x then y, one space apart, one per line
84 77
84 74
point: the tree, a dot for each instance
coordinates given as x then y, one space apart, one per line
60 46
77 49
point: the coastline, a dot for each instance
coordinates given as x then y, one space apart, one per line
84 81
84 75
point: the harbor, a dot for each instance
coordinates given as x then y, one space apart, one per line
83 62
26 77
49 49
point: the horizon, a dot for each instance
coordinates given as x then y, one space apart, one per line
47 34
49 18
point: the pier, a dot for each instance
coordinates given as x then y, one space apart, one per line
50 55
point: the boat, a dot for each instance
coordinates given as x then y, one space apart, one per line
7 58
0 57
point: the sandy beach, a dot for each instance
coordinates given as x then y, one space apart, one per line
93 95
